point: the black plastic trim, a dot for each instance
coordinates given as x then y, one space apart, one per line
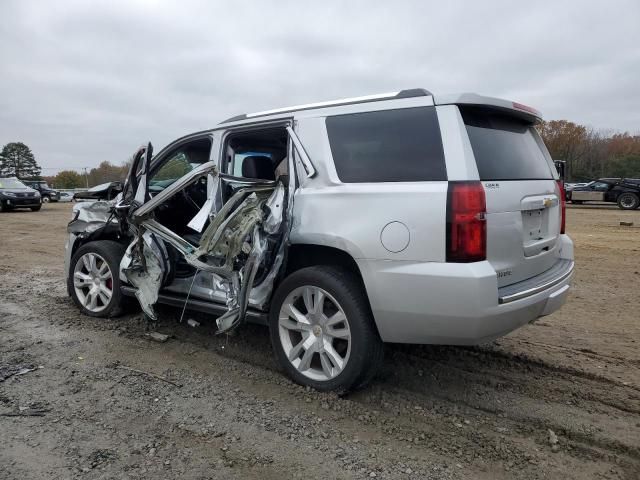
216 309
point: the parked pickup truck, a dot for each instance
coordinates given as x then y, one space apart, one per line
623 191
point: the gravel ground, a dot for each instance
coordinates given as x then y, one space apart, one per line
556 399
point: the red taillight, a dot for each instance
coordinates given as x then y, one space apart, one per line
466 224
563 206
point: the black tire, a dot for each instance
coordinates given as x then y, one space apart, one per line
36 209
628 201
367 350
4 208
45 199
112 252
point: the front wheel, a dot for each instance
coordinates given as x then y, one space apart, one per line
46 199
322 330
94 282
628 201
36 209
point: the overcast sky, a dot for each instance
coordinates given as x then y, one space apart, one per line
87 81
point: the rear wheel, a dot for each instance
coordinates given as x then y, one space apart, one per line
93 282
322 330
628 201
46 199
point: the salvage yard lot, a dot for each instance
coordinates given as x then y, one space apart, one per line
206 406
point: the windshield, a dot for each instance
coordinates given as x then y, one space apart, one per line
98 188
11 183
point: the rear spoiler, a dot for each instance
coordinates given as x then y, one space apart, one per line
519 110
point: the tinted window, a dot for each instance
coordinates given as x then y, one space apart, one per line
505 148
387 146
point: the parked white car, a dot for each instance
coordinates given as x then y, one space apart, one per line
406 217
65 197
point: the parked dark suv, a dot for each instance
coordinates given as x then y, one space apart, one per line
15 194
47 193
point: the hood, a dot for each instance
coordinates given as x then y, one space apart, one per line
18 190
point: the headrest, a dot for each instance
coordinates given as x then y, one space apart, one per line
258 166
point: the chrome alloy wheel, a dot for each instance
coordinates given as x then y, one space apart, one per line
314 333
93 282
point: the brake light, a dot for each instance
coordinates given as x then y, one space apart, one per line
526 108
466 223
563 205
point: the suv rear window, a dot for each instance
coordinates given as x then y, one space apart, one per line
387 146
505 147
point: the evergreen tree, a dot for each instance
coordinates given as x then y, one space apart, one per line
16 159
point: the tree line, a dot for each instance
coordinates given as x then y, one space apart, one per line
103 173
592 153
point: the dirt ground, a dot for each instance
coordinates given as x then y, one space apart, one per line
211 406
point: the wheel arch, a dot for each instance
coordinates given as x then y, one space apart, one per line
302 255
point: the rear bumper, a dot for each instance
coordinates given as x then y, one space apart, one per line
561 271
459 304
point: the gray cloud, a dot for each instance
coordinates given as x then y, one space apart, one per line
83 82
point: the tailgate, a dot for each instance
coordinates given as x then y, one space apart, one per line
522 195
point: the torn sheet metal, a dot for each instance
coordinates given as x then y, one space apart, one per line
210 207
90 216
237 242
144 267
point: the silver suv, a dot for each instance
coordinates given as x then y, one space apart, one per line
405 217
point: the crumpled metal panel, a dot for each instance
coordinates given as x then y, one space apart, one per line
232 248
90 216
243 237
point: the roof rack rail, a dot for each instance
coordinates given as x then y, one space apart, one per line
408 93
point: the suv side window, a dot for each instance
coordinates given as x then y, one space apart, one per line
179 162
401 145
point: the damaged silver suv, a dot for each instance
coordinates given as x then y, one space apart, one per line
402 217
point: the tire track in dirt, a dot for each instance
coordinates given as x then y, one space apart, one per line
421 400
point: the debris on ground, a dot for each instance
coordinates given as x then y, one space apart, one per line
26 412
148 374
8 371
626 224
158 337
235 397
193 323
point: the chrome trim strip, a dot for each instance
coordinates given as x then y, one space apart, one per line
537 289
